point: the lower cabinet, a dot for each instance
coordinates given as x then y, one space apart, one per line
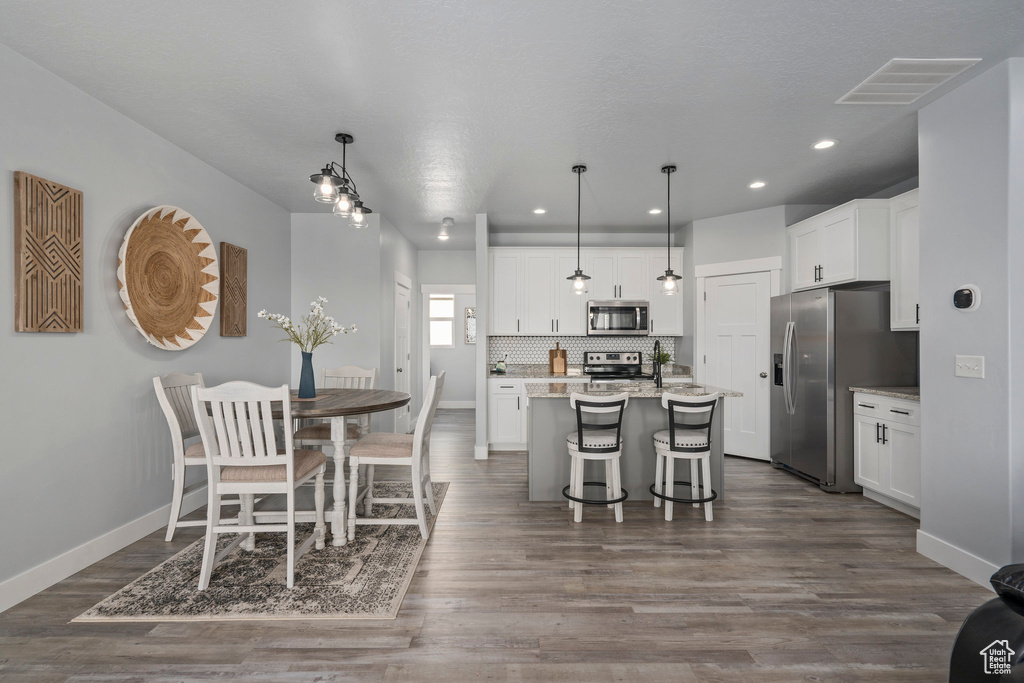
887 450
506 414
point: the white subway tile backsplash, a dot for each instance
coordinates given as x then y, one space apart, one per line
535 349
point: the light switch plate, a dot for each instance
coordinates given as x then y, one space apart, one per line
970 366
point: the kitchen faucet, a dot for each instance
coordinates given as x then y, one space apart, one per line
657 363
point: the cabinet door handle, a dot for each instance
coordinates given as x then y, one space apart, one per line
866 405
552 324
517 324
518 407
884 440
652 324
878 437
917 313
506 386
558 324
901 412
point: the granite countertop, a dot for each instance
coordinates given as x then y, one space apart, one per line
906 393
540 371
634 389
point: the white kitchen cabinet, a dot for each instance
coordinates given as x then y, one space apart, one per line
571 310
665 317
506 291
617 274
506 414
539 300
887 450
905 262
849 243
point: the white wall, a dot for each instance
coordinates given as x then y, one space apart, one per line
88 449
355 270
330 259
626 238
971 456
447 267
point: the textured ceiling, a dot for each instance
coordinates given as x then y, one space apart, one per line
466 106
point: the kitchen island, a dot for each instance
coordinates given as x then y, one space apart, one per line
550 419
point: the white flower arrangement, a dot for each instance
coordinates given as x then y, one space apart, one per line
315 328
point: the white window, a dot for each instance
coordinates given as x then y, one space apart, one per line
442 320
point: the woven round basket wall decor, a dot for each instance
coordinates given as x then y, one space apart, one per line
167 274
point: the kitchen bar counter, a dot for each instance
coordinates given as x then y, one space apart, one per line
541 371
905 393
550 419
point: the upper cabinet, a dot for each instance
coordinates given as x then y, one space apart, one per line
530 294
617 274
666 312
905 263
849 243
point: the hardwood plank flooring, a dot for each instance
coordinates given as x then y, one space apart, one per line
786 584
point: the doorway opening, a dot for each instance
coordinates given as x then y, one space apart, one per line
449 317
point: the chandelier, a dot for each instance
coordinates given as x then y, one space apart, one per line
337 187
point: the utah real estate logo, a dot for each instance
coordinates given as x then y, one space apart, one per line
997 657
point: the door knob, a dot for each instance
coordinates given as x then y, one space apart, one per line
400 369
764 375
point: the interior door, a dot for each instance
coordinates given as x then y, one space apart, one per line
737 328
403 352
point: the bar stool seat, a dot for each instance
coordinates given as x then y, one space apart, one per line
599 440
684 438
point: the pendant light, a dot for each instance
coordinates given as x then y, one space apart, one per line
338 188
669 281
578 281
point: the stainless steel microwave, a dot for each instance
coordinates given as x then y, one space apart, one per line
617 318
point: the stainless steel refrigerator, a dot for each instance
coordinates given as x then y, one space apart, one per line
823 342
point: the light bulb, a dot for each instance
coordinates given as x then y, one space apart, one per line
668 286
325 191
579 286
343 207
358 219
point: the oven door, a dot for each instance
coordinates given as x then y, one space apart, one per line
610 318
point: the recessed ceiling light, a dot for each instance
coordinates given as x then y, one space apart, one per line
443 237
540 210
654 212
824 144
756 185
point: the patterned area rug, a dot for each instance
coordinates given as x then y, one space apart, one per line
366 579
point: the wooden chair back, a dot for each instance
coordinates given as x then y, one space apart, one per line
239 429
173 393
350 377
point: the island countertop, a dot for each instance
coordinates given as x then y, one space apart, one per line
645 389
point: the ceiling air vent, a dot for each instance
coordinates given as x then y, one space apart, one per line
904 81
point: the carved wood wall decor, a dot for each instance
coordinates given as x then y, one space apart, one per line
47 255
167 275
233 290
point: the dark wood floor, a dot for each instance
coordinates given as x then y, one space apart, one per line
787 584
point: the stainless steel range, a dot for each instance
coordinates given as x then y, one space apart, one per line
605 365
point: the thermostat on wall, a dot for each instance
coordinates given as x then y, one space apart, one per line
967 297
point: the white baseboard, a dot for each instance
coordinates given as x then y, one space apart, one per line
480 452
41 577
959 560
459 405
503 447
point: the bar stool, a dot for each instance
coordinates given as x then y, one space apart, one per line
598 440
688 437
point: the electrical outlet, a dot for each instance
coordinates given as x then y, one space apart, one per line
970 366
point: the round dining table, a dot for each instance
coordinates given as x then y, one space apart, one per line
337 404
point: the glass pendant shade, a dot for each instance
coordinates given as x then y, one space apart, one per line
358 218
578 283
325 191
343 205
669 283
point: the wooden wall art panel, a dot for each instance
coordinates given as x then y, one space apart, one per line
47 255
233 289
167 275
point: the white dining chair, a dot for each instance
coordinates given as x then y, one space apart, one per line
173 395
412 450
243 457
